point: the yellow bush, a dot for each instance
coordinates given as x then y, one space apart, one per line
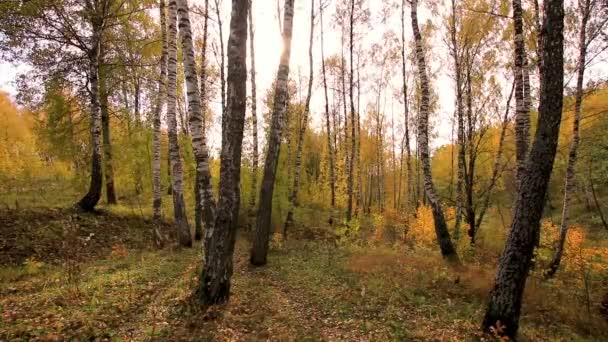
422 229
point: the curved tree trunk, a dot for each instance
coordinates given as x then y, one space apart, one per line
214 282
254 116
179 207
203 175
262 235
441 229
89 201
156 122
330 150
293 198
569 181
504 305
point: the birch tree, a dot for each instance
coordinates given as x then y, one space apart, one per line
262 234
522 90
441 229
203 175
254 116
179 206
505 301
162 93
214 281
330 149
293 198
586 9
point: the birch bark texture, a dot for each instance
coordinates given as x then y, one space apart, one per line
504 305
179 206
569 183
330 149
206 206
522 90
89 201
156 122
214 282
259 251
406 119
254 116
293 198
441 228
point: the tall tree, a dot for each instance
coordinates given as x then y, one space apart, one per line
179 206
206 205
441 229
203 183
254 116
406 118
584 8
293 198
262 235
105 132
351 165
522 89
96 13
222 54
504 306
156 122
214 282
455 52
330 149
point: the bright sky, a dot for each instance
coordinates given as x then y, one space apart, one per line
268 48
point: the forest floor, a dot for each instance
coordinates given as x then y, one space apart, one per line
71 276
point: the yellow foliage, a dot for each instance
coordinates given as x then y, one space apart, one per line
577 255
423 226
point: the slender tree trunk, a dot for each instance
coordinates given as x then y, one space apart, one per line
406 118
260 243
539 61
89 201
460 126
596 202
352 116
222 58
497 158
162 93
504 306
522 83
330 150
206 204
394 157
254 117
470 168
107 144
170 179
203 74
214 282
441 229
358 140
293 199
572 156
179 207
200 181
